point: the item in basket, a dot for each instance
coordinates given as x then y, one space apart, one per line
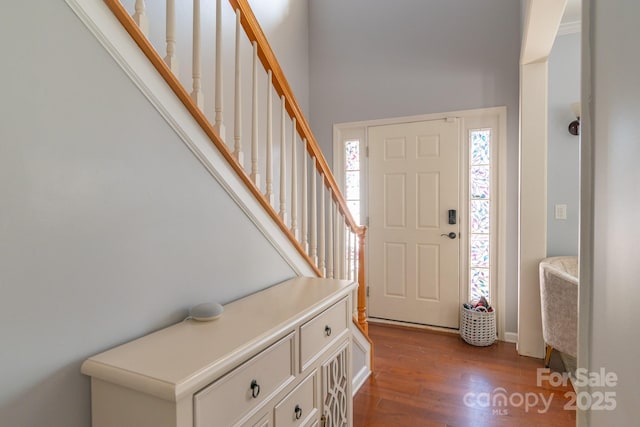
482 305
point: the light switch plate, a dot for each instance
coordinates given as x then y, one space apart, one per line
561 211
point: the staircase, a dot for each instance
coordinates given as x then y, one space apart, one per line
280 166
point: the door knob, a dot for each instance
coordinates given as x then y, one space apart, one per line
451 235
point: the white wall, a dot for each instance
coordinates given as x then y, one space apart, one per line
612 138
109 226
563 148
286 24
373 59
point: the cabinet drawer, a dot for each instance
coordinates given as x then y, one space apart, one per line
300 405
231 399
321 331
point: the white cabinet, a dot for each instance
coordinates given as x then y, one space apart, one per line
277 358
300 406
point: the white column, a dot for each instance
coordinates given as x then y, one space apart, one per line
304 214
269 191
218 121
140 17
237 121
533 211
171 60
283 164
255 175
294 181
196 94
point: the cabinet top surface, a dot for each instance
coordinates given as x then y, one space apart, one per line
180 359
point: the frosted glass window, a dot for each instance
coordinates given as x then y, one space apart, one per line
352 155
352 192
480 204
480 146
352 177
480 284
480 216
352 185
480 248
480 180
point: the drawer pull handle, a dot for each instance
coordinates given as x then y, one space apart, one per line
298 411
255 389
327 330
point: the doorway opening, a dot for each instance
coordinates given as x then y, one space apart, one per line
426 272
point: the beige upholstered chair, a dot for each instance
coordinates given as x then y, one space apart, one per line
559 304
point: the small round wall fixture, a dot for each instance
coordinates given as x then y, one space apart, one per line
574 127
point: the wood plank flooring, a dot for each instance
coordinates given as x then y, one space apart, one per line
421 378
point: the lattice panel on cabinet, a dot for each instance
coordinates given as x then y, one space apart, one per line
335 382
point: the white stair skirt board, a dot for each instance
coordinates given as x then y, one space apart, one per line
363 370
111 34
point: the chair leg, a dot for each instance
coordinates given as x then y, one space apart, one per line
547 356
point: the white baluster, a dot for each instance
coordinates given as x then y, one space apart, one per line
336 241
321 232
330 237
314 213
218 121
283 164
305 201
255 175
341 252
171 60
356 257
269 191
237 122
294 181
140 17
344 240
349 253
196 94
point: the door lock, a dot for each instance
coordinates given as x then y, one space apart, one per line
451 235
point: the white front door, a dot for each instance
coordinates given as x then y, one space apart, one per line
414 180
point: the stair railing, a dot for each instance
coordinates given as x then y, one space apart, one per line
316 218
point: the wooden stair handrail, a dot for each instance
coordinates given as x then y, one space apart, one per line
267 57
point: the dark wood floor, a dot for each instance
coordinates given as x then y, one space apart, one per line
421 378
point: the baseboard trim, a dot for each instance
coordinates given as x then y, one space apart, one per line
511 337
412 325
359 379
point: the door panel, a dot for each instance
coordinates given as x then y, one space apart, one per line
428 207
428 272
395 260
413 182
395 190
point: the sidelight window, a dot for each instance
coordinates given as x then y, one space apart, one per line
480 200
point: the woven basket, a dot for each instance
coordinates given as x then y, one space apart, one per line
478 327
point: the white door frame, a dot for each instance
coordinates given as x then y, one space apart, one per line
359 130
